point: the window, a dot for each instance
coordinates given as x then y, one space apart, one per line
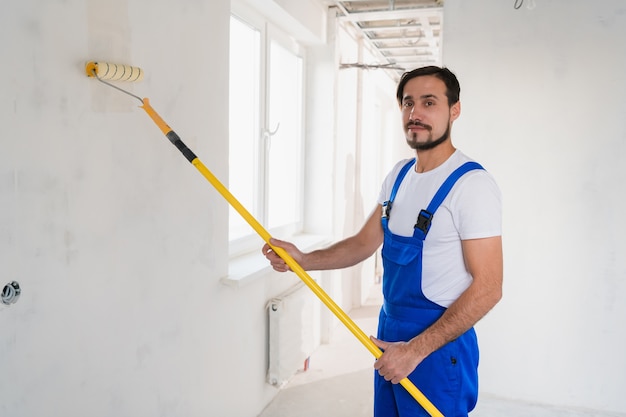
266 131
285 112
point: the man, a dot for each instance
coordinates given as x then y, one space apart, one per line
442 272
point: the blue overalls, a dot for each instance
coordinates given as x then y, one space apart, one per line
448 377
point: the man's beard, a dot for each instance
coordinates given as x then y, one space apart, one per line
429 144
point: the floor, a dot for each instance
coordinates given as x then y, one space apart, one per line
338 382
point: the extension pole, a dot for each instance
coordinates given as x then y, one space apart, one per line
295 267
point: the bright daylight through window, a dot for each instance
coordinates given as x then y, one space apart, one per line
266 133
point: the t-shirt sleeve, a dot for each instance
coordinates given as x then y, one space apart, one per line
478 203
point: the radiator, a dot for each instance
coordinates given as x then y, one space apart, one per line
292 332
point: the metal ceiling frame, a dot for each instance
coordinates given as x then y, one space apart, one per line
403 34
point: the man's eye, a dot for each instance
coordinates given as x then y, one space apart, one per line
429 103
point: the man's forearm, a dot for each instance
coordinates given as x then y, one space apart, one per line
349 251
342 254
464 313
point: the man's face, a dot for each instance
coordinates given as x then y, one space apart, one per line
426 115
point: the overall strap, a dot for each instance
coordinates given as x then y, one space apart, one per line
425 217
387 204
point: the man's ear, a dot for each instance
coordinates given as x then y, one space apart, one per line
455 111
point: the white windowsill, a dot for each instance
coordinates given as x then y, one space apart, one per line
244 269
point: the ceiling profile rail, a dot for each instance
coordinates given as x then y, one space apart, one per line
404 34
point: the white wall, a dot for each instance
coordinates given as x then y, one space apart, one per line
117 242
543 97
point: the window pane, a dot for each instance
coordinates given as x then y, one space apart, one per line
244 123
285 117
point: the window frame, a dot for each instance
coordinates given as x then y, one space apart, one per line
269 33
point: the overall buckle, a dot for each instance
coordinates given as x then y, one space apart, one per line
423 221
386 209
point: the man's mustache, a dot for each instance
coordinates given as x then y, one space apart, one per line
427 127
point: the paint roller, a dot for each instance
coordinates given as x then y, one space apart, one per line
113 72
105 72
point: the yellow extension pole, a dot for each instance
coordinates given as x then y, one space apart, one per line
295 267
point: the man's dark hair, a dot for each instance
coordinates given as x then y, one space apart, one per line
453 89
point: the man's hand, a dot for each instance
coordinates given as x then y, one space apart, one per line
276 261
399 359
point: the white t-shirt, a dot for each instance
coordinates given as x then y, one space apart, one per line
472 210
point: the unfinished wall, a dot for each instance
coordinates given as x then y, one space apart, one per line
543 109
117 242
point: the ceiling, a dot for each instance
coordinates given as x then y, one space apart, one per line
403 34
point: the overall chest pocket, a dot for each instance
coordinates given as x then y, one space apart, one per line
401 250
